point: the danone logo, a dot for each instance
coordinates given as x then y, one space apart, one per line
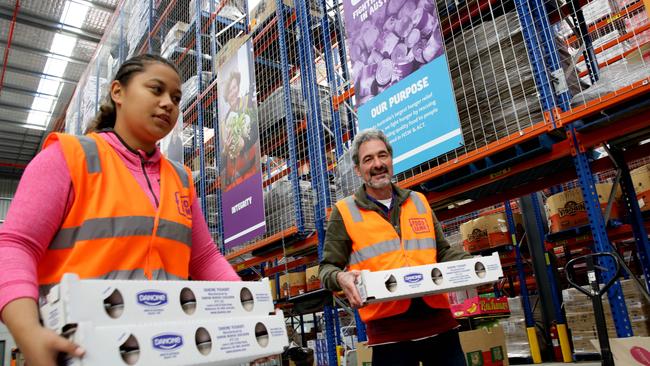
167 342
152 298
413 278
571 207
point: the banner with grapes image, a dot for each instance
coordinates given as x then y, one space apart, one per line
401 77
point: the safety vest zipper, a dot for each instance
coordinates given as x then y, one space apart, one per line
144 171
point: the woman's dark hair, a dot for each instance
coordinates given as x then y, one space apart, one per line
106 116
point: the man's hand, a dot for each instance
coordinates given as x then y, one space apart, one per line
347 281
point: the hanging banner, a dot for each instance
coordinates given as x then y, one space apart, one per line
241 178
401 77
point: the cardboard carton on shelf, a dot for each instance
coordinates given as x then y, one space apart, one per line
483 347
567 209
641 181
297 283
284 286
409 282
274 288
490 231
217 341
313 281
115 302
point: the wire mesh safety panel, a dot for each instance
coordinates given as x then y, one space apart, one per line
606 45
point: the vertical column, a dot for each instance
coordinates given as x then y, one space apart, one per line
601 241
315 141
528 314
288 110
199 107
150 27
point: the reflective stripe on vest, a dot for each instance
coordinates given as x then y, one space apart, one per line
182 174
92 154
115 227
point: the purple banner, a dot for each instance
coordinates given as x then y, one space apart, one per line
389 40
241 177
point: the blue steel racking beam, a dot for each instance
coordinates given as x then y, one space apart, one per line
288 108
315 140
525 299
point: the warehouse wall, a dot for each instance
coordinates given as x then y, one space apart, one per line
7 191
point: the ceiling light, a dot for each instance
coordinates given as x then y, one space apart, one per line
55 67
36 118
74 14
42 104
63 45
49 86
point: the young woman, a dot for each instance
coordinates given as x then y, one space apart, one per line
104 205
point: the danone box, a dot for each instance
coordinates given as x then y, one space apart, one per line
115 302
313 282
567 209
417 281
218 341
484 347
641 181
284 286
297 283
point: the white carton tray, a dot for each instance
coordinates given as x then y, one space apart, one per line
115 302
226 341
409 282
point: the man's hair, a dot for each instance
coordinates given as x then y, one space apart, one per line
365 136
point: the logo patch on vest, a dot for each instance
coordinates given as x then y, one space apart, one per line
183 205
419 225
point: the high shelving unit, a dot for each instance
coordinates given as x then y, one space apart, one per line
532 111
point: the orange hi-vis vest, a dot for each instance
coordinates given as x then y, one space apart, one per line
112 230
376 246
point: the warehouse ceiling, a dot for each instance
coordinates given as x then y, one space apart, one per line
45 46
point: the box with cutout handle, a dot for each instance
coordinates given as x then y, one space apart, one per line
220 341
115 302
409 282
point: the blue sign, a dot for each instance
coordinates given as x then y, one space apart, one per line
418 114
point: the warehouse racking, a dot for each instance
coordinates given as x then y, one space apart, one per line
532 107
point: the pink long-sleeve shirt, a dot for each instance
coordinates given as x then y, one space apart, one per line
42 201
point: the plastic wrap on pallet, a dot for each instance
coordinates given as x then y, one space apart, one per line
581 321
173 38
232 10
89 99
279 206
190 88
494 84
137 25
613 78
515 330
347 180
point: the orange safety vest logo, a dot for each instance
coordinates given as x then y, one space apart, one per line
376 246
112 229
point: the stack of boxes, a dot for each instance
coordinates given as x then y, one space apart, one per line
567 209
190 88
279 206
165 322
641 181
138 23
486 232
173 38
514 328
582 323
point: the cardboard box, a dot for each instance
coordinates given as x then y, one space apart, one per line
297 283
409 282
284 286
488 231
114 302
567 209
479 305
484 347
219 341
364 354
641 181
633 351
274 288
313 281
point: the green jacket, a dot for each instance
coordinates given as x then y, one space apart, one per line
338 245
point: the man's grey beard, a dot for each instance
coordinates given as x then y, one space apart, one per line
377 186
